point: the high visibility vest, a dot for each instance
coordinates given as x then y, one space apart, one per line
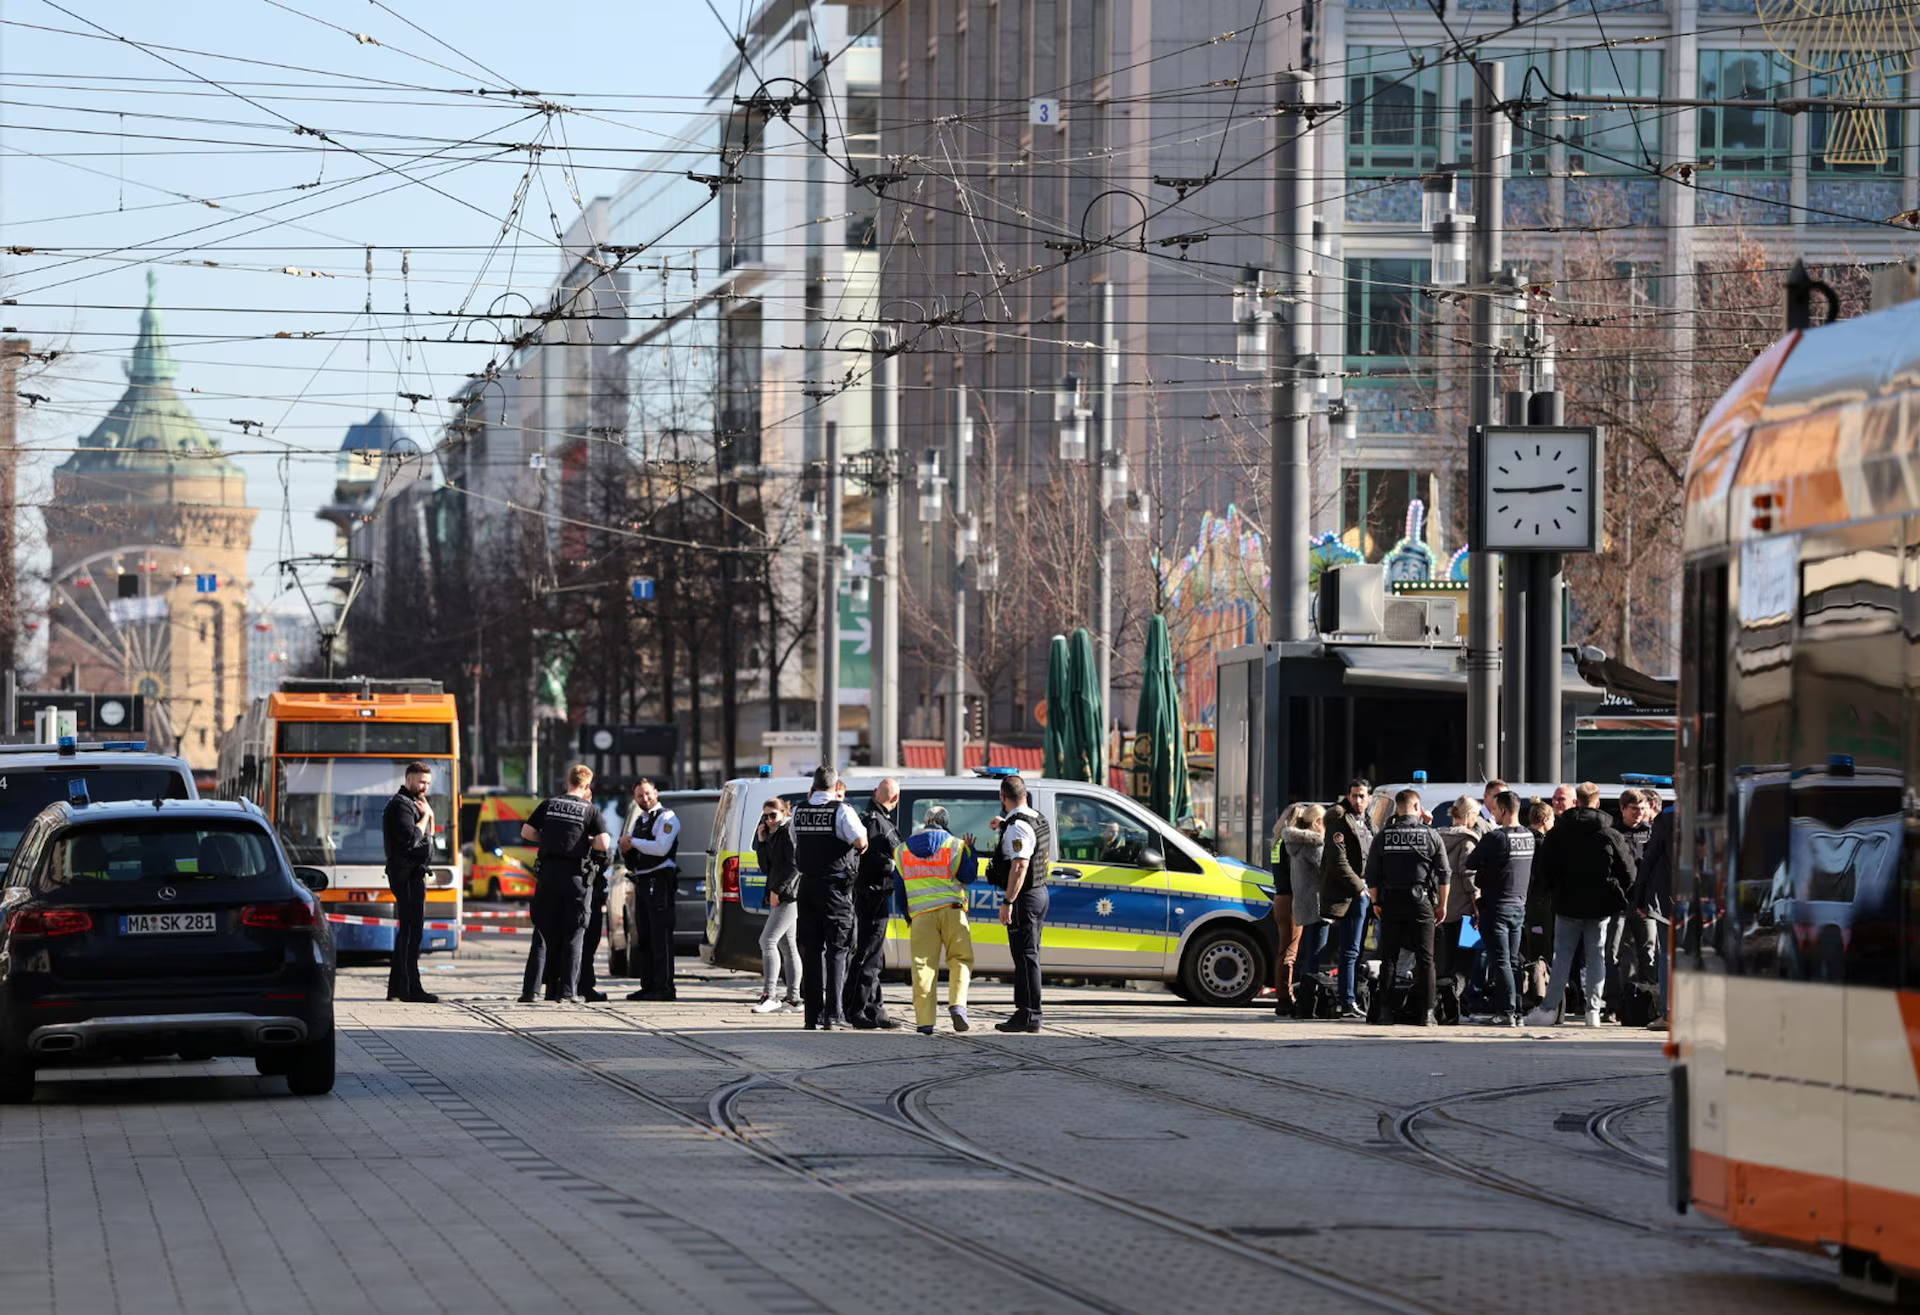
932 882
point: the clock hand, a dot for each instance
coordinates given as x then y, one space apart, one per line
1543 488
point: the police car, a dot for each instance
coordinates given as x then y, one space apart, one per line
1130 898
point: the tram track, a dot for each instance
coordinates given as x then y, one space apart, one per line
724 1121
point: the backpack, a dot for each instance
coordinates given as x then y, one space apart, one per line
1638 1004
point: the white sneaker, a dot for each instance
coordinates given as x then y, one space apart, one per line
1540 1018
770 1005
1593 1018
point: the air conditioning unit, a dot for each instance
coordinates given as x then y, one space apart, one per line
1422 621
1353 599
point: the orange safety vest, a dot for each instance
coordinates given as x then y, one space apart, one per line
932 882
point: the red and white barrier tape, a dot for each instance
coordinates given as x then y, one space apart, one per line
355 920
499 913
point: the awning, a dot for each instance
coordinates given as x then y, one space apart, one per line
1433 670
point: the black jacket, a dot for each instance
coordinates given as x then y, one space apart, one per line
774 853
408 848
1343 860
1408 856
1653 888
883 837
1587 865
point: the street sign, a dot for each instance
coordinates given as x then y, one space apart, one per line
117 713
642 586
856 628
206 584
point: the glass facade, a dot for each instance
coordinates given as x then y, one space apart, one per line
1741 140
1393 119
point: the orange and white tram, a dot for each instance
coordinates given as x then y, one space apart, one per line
1796 987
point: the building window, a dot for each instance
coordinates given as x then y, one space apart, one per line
1738 140
1393 116
1854 137
863 24
1374 504
1613 139
1388 315
1533 135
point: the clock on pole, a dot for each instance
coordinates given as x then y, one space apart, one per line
1535 488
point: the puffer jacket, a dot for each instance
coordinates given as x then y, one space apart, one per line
1343 861
1303 848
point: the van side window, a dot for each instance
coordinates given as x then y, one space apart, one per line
967 815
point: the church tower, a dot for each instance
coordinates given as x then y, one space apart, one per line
149 529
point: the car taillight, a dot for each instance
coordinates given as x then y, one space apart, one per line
730 880
291 915
49 922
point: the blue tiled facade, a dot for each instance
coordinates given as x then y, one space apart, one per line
1833 200
1727 199
1383 201
1727 6
1391 406
1610 202
1559 7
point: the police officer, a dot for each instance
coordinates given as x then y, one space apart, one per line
1406 874
597 865
652 856
406 829
828 842
567 828
1019 867
872 896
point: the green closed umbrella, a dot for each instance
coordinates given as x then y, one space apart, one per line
1160 744
1054 745
1086 742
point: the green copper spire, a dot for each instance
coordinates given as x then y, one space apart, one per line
152 363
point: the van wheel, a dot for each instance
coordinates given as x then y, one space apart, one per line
1223 967
16 1082
310 1069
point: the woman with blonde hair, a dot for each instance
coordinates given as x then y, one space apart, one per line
1303 836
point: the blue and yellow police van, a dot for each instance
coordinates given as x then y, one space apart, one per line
1130 897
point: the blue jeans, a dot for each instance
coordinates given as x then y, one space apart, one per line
1313 944
1500 930
1351 926
1583 935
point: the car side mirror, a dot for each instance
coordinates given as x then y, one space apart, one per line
1152 858
312 878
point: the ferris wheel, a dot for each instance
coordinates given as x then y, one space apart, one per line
119 605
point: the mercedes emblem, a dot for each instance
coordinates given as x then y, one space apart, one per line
166 892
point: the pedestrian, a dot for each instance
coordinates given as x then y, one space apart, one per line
1502 868
1453 966
1019 867
934 866
406 832
872 907
1562 799
567 828
653 861
1286 930
828 840
1485 817
1590 871
1630 937
779 951
1305 840
1536 934
1343 892
1407 878
1653 899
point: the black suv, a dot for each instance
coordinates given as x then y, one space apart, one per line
169 927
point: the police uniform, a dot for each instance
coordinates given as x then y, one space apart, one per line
872 898
1408 866
1024 834
596 918
653 864
567 826
408 851
826 836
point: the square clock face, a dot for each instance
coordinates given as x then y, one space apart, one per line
1537 490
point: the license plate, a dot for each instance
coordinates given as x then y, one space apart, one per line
167 924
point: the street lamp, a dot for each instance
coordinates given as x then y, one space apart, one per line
1343 423
986 569
933 488
1139 514
1450 250
1113 479
1436 199
1071 414
1252 320
816 520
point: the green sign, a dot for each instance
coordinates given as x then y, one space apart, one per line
856 628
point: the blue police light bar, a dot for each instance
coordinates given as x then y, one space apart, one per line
125 744
77 792
1419 778
996 771
1840 764
1644 778
66 746
766 769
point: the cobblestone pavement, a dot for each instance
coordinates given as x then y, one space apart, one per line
481 1155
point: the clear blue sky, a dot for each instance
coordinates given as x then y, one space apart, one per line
110 151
